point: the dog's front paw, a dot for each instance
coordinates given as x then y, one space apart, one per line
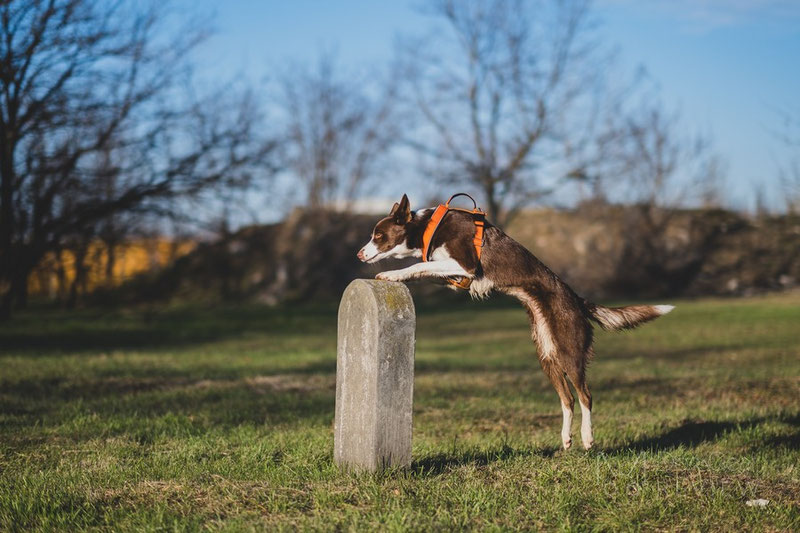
388 276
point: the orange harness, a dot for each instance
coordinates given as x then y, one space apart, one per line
479 217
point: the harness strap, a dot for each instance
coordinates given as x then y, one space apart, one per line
430 230
479 218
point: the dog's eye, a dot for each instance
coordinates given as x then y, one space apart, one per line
378 235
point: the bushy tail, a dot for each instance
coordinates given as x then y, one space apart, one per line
619 318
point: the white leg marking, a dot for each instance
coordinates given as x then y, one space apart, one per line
436 269
586 426
541 329
566 427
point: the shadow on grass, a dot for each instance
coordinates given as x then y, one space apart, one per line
146 420
439 463
652 387
462 366
142 381
58 332
49 332
461 357
109 339
675 354
148 406
693 433
791 441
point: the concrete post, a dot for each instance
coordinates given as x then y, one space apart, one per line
374 376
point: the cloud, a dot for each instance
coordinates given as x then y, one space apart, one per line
706 15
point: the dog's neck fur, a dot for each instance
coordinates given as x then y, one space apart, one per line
416 228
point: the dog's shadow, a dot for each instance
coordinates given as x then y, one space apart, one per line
693 433
689 434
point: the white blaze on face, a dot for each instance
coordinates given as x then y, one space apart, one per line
372 254
370 251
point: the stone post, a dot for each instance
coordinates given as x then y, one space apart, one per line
374 376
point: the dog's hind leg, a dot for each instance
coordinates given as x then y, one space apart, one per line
578 378
559 382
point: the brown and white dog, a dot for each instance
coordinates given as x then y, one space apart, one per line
559 318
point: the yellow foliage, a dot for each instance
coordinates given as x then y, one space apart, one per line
56 272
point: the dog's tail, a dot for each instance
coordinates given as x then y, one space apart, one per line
619 318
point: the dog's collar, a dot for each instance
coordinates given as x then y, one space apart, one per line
478 216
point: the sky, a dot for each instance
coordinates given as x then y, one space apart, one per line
728 66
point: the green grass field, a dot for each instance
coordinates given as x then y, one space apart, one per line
191 419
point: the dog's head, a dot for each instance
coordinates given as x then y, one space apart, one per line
389 235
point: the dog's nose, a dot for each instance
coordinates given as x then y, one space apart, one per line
361 254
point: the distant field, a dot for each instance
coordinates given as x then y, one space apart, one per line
222 419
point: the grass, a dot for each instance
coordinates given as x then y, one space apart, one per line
192 419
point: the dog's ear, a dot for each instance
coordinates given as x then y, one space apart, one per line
394 209
402 211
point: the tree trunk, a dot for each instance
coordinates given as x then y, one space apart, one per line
80 276
7 259
21 289
492 205
61 276
5 305
14 285
111 259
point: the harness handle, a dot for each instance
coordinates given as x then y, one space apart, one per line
474 203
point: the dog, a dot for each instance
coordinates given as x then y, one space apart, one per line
560 319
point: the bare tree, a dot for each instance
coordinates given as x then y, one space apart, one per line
654 162
339 130
492 89
655 167
634 150
790 170
94 122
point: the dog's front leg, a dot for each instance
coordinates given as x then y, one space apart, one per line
434 269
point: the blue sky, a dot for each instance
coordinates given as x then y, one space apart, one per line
727 65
